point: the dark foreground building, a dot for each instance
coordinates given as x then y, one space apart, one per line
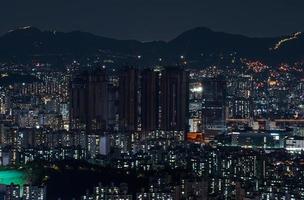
174 97
154 99
214 105
88 105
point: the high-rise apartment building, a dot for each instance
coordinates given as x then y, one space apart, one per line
154 99
88 101
213 108
174 97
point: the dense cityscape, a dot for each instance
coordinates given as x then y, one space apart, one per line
94 129
152 100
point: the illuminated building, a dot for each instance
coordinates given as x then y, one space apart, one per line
98 145
4 102
240 97
34 192
294 144
113 192
12 192
195 106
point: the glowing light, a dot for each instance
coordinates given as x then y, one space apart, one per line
4 75
281 42
234 133
12 176
197 89
26 27
272 82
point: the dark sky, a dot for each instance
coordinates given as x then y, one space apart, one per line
155 19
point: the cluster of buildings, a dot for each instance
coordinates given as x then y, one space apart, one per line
221 127
135 100
187 189
215 173
25 192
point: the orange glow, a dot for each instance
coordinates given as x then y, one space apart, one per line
196 137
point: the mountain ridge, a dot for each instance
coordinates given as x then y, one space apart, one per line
29 41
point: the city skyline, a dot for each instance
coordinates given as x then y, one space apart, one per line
152 100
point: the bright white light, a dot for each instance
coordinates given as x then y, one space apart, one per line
234 133
197 89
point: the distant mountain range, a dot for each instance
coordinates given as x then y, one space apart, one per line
193 44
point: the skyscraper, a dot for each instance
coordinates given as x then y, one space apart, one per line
154 99
129 99
149 99
174 92
88 96
195 105
214 101
240 97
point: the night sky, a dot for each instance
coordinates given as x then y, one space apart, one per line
155 19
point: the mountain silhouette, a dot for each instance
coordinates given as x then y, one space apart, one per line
30 41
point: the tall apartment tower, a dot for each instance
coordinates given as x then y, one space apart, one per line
174 97
149 99
129 99
88 101
154 99
213 105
